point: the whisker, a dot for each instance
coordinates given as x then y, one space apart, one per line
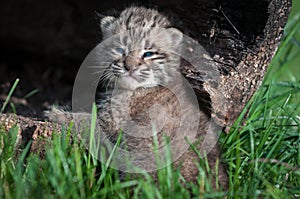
109 82
105 78
97 72
100 66
111 78
107 69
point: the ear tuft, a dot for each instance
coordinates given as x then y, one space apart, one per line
98 16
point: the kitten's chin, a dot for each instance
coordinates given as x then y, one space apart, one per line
131 83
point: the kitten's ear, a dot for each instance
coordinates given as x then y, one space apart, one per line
106 25
176 36
106 22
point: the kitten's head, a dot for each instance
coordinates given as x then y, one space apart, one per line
143 52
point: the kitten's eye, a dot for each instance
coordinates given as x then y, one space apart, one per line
148 54
120 50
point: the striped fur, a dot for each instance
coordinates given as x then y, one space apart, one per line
142 49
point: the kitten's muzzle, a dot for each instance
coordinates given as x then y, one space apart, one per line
132 63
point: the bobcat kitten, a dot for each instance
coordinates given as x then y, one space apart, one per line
146 72
147 91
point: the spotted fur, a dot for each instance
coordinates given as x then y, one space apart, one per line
145 61
143 48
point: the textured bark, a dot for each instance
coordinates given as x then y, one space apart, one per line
240 84
240 36
38 132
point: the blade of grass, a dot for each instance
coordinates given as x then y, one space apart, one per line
9 95
31 93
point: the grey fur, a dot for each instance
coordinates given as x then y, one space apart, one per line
146 29
143 81
141 30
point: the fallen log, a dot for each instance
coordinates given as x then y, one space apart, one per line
240 36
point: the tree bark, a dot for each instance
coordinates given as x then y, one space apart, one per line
30 131
240 36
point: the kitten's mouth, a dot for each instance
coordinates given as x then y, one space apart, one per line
129 82
129 75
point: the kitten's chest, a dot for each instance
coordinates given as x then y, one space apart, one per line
153 104
144 109
144 112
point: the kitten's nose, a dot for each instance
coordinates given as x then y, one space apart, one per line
132 63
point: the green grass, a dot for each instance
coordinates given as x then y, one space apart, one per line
262 151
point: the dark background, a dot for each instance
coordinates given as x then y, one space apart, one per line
44 42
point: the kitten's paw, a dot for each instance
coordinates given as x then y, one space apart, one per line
58 115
